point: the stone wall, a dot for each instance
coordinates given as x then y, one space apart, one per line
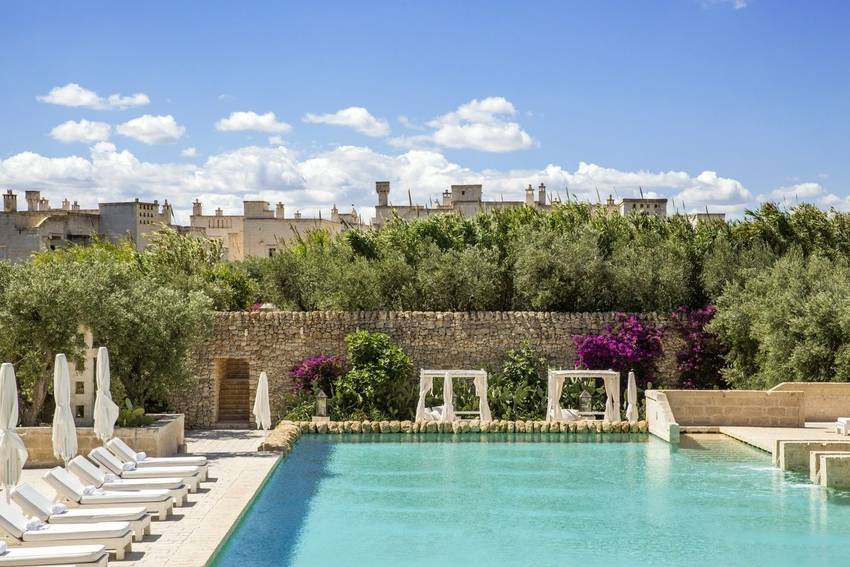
274 342
163 438
824 401
737 407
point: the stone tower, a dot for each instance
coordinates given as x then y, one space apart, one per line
383 190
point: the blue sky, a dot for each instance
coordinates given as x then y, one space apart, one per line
714 103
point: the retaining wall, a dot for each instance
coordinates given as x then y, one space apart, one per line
163 438
737 407
274 342
824 401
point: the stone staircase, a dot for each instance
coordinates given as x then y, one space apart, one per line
233 404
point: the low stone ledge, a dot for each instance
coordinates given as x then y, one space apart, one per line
458 427
282 438
835 471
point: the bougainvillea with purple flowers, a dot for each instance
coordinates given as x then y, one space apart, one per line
700 360
320 372
629 344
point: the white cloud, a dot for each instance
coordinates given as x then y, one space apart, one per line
189 152
734 4
238 121
152 129
802 191
478 124
408 123
345 175
275 140
74 95
82 131
355 117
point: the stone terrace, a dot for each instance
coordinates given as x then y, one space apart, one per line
192 534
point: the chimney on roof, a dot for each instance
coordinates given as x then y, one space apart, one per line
32 197
529 195
541 194
10 202
297 214
75 206
66 205
383 190
279 210
167 212
334 213
219 212
197 208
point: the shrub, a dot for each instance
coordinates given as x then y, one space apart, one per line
518 390
701 358
379 382
630 344
790 322
318 373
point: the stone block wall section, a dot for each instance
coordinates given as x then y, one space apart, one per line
274 342
824 401
737 407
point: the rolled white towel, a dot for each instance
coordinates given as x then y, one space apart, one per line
141 456
109 477
129 466
89 490
34 524
58 508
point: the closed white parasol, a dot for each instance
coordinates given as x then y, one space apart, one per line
13 452
631 399
262 412
64 429
105 410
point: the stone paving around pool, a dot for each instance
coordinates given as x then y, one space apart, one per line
192 534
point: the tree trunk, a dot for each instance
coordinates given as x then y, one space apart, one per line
39 393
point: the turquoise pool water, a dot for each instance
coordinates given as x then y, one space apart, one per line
396 501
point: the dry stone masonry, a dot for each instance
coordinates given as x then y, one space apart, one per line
274 342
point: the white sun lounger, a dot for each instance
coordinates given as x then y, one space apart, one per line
116 537
89 473
842 426
128 455
58 556
72 491
38 506
190 475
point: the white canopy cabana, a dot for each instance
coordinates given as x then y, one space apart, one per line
446 411
555 388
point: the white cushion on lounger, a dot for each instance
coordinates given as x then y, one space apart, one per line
71 488
570 414
115 466
91 474
54 555
126 453
15 523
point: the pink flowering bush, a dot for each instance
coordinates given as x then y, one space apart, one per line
318 372
629 344
700 360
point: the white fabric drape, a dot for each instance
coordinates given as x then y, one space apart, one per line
105 410
612 398
554 389
480 383
631 399
13 452
425 385
262 412
64 429
448 402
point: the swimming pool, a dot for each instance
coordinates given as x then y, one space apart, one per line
431 500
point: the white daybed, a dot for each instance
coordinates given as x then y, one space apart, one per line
555 388
446 412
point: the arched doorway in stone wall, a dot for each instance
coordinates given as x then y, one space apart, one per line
233 391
